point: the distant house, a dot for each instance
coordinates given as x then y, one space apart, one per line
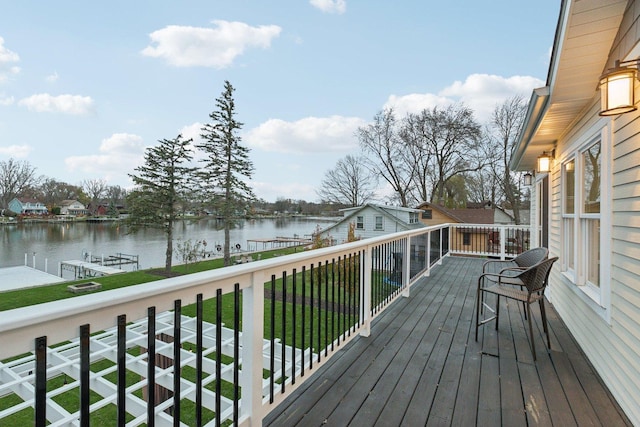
372 220
72 207
26 206
104 208
474 238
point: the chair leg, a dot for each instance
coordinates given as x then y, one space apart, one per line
545 324
533 347
478 304
497 311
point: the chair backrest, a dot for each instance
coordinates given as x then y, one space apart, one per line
536 277
531 257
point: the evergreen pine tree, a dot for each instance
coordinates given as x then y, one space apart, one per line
227 166
161 184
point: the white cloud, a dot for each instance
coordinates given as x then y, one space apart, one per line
6 100
67 104
17 151
7 58
291 190
308 135
330 6
119 155
51 78
218 47
481 92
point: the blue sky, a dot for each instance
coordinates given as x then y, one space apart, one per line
85 86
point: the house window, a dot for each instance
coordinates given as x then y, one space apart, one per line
360 222
590 212
379 223
466 239
568 214
427 214
413 217
582 178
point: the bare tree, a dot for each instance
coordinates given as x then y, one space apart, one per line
451 136
16 178
95 190
390 157
348 183
506 123
52 192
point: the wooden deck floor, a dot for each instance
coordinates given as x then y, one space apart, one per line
422 366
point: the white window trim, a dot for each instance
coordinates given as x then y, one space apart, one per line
597 298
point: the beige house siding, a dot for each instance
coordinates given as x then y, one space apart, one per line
610 336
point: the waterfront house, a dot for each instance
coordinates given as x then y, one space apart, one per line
586 195
372 220
481 234
27 206
72 207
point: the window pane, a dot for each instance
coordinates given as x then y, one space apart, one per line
568 243
592 236
378 223
569 187
591 179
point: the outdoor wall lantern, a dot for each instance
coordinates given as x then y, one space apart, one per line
544 162
617 88
527 179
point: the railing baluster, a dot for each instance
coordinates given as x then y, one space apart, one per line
311 328
319 311
333 302
218 356
151 366
272 356
236 353
283 340
294 297
303 330
122 370
84 375
199 343
326 308
177 346
340 308
41 382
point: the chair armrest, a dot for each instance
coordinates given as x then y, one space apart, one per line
493 261
501 279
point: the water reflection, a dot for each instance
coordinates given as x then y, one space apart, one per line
58 242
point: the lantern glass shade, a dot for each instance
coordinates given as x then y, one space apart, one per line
528 179
544 163
616 92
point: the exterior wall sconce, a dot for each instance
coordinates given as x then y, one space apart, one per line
617 88
544 162
527 179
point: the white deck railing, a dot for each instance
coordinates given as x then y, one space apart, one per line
296 311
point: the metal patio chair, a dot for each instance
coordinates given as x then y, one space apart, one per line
512 266
532 280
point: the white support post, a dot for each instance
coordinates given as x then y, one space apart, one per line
252 339
34 260
503 242
46 265
428 260
440 253
365 296
406 263
25 259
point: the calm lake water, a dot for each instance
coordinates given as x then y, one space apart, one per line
69 241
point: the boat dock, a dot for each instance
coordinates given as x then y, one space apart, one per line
118 259
277 242
82 269
12 278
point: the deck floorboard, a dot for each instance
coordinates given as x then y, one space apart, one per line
421 365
